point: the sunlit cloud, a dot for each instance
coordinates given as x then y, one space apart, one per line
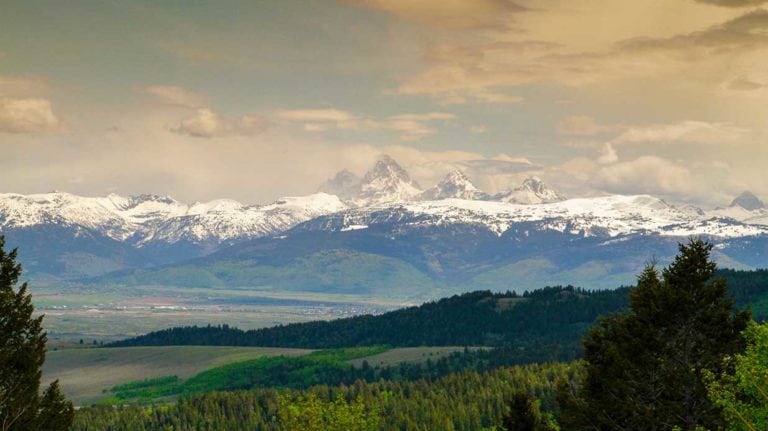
206 123
175 95
31 115
408 127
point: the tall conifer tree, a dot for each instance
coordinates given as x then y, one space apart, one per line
645 367
22 353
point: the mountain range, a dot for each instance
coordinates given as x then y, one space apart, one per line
380 235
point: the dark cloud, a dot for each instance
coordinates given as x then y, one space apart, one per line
744 84
734 3
746 32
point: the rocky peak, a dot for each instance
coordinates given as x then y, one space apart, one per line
455 185
748 201
386 182
532 191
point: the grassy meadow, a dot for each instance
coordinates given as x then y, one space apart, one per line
86 373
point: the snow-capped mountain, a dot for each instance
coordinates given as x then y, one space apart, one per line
69 236
456 185
609 216
748 201
414 249
143 219
387 182
227 220
532 191
745 208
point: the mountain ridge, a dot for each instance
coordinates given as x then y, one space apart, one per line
385 207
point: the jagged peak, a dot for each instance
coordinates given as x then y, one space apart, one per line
456 184
748 201
532 191
386 182
387 167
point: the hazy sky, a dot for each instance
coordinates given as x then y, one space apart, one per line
254 100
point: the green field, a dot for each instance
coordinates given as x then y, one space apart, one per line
406 354
86 373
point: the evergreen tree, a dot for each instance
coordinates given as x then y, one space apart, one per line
22 353
645 367
525 415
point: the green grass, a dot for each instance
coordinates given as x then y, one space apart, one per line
86 373
396 356
315 368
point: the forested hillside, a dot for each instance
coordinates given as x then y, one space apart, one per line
553 319
462 402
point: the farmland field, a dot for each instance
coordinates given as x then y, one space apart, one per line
85 373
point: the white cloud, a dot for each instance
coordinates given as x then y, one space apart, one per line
409 127
175 95
314 115
29 115
608 155
686 131
206 123
20 86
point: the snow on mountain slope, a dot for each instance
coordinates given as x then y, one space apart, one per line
455 185
386 182
603 216
146 218
100 214
756 217
220 221
533 191
745 208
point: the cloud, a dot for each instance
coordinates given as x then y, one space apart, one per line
569 44
451 14
175 95
409 127
745 32
29 115
734 3
608 155
744 84
22 85
315 115
647 174
686 131
206 123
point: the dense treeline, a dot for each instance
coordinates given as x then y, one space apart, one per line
461 401
556 316
328 367
543 325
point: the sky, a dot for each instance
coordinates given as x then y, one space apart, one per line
253 100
